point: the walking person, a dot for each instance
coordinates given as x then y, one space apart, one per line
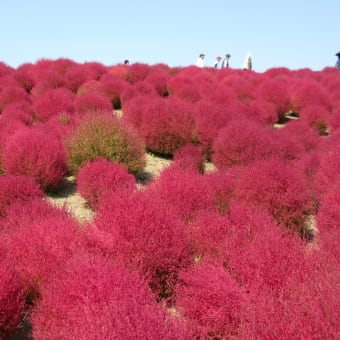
337 64
248 62
217 61
225 61
200 60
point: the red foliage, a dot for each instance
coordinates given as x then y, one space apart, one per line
37 154
317 117
139 230
95 299
12 93
165 123
240 143
185 192
278 187
137 72
112 87
92 102
24 76
12 295
328 216
209 119
190 156
275 91
20 111
308 92
41 247
212 301
17 189
5 69
96 178
53 102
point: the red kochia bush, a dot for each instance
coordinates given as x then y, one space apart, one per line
17 189
92 298
37 154
53 102
96 178
138 229
10 94
92 102
185 192
240 143
211 300
12 295
41 247
317 117
190 156
278 187
165 124
20 111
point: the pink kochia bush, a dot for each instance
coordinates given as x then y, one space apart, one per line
211 300
140 231
35 153
190 156
275 185
12 295
17 189
165 124
53 102
41 247
240 143
96 178
93 298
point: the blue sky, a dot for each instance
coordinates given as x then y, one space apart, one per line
291 33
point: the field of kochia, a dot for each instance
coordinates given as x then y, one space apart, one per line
247 251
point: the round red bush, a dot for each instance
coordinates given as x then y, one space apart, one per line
211 300
17 189
37 154
138 229
98 177
92 298
12 295
240 143
53 102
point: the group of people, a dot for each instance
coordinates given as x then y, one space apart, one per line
337 64
224 62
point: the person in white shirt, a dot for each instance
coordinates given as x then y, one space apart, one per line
217 61
247 62
225 61
200 60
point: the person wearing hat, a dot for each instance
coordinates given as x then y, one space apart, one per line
225 62
337 64
217 61
200 60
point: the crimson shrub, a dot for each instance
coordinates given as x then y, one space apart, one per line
211 300
96 178
138 229
17 189
53 102
92 298
241 142
35 153
12 295
278 187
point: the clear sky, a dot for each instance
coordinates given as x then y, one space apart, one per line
290 33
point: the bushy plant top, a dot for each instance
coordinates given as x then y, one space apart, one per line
105 136
101 176
35 153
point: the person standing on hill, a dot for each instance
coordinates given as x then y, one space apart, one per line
248 62
225 61
337 64
200 60
217 61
